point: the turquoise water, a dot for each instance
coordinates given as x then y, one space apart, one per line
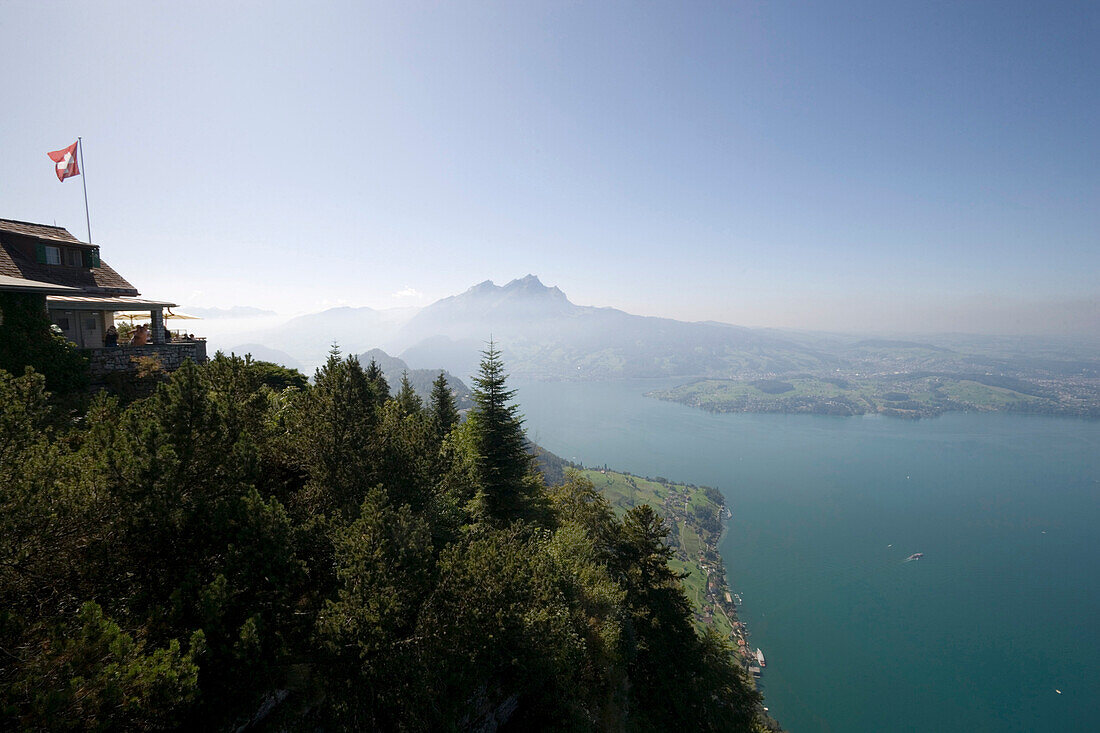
1003 610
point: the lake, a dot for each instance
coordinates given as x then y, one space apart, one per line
1001 612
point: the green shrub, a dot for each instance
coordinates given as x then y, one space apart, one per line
26 339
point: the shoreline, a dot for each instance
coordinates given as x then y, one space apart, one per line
903 397
713 600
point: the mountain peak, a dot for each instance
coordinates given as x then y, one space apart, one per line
531 285
531 281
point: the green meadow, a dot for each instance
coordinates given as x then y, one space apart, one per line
902 395
678 504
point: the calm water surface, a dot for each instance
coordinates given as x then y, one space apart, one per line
1003 610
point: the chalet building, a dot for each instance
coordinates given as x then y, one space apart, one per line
82 294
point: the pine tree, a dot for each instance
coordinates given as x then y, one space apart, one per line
383 562
664 656
501 446
407 399
336 425
441 407
378 379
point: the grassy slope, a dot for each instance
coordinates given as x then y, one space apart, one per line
624 492
924 396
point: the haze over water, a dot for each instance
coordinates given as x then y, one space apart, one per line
978 635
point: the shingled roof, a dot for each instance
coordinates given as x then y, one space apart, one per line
15 263
38 231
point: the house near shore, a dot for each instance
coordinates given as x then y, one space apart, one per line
82 294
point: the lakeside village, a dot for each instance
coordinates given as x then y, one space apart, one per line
696 518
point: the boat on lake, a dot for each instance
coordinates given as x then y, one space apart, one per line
760 658
915 556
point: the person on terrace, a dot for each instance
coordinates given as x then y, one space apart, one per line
141 336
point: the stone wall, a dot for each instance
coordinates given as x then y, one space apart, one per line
103 361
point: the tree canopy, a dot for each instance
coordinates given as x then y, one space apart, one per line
242 546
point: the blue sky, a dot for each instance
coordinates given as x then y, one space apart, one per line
845 166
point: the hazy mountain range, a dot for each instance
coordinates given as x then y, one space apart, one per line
237 311
420 379
543 335
308 338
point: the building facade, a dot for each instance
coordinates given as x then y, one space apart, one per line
82 293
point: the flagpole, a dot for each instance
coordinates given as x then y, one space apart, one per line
84 181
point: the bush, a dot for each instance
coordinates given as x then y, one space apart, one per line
26 339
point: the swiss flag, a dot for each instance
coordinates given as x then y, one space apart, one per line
66 162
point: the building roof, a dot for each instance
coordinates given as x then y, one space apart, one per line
15 264
38 231
106 303
23 285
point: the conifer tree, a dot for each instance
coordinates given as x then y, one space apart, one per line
383 562
337 423
502 460
441 407
407 399
378 379
178 562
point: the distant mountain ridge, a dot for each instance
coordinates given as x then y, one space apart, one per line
260 352
237 311
543 335
309 338
420 379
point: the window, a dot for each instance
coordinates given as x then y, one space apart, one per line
89 324
74 258
53 255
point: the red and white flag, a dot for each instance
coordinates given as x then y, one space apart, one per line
66 162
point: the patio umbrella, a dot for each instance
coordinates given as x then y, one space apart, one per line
169 314
145 314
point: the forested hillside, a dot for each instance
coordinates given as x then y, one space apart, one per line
422 380
238 550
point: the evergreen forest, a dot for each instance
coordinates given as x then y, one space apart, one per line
230 547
